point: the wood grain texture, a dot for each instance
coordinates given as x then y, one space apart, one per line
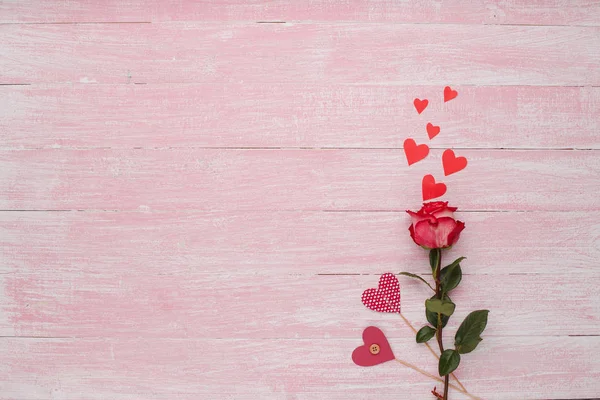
254 180
189 369
295 115
192 203
539 12
72 243
123 302
357 53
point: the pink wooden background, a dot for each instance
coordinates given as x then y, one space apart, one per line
194 194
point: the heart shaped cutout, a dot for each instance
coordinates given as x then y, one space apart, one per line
432 130
421 105
375 350
431 189
386 298
449 94
415 153
451 163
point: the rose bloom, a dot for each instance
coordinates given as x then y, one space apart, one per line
434 226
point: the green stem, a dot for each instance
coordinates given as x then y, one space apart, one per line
438 294
446 385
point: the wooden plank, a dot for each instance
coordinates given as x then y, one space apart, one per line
549 243
501 368
414 54
544 12
295 115
350 179
126 302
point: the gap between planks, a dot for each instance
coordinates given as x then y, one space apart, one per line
302 22
292 148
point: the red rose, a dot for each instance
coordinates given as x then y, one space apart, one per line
434 226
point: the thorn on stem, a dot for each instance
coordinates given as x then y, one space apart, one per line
436 394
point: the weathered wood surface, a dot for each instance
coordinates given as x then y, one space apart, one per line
192 203
365 54
295 114
273 179
186 369
539 12
496 243
119 302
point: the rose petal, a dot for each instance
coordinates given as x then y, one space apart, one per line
418 217
434 236
436 206
446 212
445 227
455 234
433 206
424 234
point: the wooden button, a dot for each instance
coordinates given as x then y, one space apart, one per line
374 349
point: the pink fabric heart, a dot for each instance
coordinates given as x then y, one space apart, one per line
386 298
375 350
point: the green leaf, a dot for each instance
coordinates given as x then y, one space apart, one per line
417 277
456 262
470 330
449 361
425 333
434 259
451 275
469 346
444 307
432 318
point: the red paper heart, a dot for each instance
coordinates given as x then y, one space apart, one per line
386 298
449 94
432 130
376 349
430 189
420 105
413 152
452 163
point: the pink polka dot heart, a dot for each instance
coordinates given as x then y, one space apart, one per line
386 298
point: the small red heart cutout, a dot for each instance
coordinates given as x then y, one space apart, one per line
430 189
413 152
449 94
452 163
432 130
386 298
421 105
376 349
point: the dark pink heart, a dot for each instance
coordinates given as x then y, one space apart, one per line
376 349
386 298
